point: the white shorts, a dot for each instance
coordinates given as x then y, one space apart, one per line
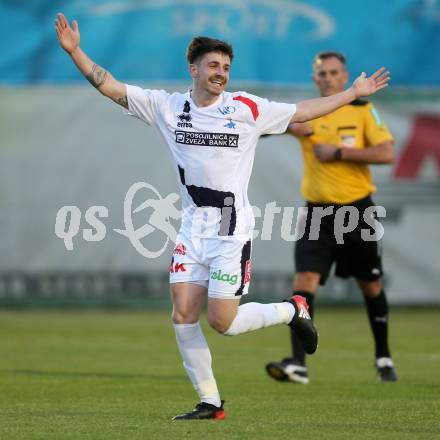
223 266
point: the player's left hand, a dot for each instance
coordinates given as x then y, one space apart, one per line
364 86
325 152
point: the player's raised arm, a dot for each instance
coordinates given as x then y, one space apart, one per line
101 79
362 86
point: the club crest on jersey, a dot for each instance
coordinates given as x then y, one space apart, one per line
227 110
185 116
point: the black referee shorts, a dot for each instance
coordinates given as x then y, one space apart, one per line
354 257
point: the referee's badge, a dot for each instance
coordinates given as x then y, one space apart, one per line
348 141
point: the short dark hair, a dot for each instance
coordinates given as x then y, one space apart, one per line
199 46
328 54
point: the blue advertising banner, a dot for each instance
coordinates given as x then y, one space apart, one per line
274 40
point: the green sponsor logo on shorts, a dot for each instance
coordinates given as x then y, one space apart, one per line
225 277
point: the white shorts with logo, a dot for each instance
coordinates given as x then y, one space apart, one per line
223 266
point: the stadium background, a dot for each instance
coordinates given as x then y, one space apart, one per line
63 144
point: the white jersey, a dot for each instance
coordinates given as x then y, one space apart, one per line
214 150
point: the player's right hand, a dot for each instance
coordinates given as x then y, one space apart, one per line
68 37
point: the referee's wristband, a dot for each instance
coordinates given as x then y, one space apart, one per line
337 155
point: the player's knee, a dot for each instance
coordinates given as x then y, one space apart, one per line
219 324
183 317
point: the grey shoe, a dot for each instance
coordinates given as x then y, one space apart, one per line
288 370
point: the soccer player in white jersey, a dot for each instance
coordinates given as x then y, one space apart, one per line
212 135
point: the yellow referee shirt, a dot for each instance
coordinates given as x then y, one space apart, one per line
356 125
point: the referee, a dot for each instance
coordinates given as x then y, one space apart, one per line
337 150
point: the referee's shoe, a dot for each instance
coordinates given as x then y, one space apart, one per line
386 372
302 324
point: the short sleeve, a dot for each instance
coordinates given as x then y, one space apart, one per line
274 117
270 117
376 131
145 104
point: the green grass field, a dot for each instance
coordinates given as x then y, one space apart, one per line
117 375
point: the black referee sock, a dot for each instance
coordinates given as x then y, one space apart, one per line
377 309
298 353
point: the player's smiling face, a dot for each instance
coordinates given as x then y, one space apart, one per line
211 72
330 76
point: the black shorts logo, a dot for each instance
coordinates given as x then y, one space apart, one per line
207 139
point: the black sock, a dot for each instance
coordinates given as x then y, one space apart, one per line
298 353
377 309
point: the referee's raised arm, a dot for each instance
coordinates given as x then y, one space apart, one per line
101 79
